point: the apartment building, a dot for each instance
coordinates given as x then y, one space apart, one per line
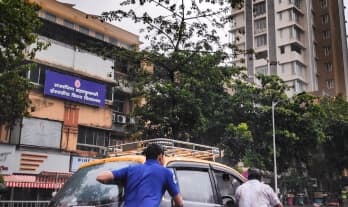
78 106
331 48
284 35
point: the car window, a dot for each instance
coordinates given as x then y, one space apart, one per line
195 185
226 183
82 189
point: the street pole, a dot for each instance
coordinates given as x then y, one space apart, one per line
274 149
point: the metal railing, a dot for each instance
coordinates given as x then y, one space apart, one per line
24 203
172 148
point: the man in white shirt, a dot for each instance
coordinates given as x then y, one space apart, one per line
254 193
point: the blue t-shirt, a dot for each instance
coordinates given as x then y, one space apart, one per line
146 183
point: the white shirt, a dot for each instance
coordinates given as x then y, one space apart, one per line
253 193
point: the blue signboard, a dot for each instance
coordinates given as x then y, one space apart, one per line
74 89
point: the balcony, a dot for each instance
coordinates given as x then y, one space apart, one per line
67 56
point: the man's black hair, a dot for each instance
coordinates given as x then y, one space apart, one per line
152 151
254 173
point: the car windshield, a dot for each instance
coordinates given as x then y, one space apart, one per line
82 189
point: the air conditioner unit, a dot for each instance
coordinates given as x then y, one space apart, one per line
121 119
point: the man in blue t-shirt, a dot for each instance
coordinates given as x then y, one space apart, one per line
146 183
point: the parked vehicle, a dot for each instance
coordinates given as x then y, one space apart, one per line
201 182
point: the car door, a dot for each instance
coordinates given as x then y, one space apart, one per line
196 184
226 185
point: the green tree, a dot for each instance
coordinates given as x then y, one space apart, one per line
236 142
336 145
186 93
18 22
334 151
186 107
298 124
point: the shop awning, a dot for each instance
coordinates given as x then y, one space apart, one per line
35 181
33 185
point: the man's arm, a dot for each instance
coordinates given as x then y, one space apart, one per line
278 205
178 200
273 197
173 189
105 177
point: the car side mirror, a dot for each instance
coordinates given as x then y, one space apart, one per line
229 201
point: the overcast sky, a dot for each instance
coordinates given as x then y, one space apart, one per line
98 6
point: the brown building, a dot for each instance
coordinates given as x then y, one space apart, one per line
78 107
330 46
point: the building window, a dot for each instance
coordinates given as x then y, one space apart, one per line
121 65
330 84
50 17
37 75
293 68
84 30
99 36
327 51
296 48
299 68
326 35
298 33
118 105
281 33
282 49
68 23
260 25
298 86
109 93
113 41
325 19
259 9
297 3
261 55
91 138
323 4
291 33
280 15
262 70
261 40
328 67
294 15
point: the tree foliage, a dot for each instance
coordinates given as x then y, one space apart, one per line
298 124
186 93
18 22
333 152
336 130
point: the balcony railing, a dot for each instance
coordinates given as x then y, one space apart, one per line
172 148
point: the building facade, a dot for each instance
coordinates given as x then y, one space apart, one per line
284 37
78 105
331 50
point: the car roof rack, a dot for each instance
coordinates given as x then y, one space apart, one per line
172 147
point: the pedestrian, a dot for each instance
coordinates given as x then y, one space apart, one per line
145 183
254 193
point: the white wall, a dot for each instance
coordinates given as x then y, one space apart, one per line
61 54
